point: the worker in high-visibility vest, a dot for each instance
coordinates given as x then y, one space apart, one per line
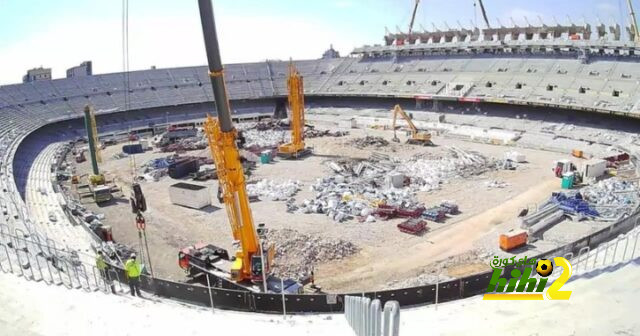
101 263
132 270
103 268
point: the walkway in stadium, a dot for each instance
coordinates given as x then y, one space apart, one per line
599 305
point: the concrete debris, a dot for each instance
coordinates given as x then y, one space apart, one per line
515 157
369 141
343 198
429 174
273 191
314 133
612 197
494 184
298 253
357 187
269 138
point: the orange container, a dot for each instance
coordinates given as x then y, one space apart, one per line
511 240
577 153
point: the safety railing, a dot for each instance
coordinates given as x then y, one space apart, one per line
27 257
367 319
621 249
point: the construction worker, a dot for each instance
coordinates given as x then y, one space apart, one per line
101 264
132 270
103 267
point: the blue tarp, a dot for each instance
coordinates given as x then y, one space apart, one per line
573 204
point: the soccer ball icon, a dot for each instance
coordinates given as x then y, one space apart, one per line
544 267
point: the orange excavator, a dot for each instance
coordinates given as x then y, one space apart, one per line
252 261
296 148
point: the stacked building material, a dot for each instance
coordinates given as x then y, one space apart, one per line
413 226
573 204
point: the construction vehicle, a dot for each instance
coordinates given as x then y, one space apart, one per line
101 193
416 137
296 148
413 16
251 263
561 167
484 14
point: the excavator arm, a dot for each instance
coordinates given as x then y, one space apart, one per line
398 110
417 137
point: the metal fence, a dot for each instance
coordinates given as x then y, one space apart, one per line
35 260
366 319
29 258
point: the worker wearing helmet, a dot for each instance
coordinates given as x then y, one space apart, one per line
103 268
132 270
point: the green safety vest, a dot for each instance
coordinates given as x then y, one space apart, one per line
132 267
100 263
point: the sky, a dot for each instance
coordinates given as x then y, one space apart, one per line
166 33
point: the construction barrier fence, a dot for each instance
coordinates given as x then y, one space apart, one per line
34 260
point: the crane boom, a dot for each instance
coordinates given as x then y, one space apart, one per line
296 148
634 23
413 16
484 14
221 135
296 103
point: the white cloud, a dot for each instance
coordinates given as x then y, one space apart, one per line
167 42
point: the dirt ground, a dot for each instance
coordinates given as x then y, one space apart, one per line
386 254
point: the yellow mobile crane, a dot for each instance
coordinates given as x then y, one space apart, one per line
417 137
296 148
253 258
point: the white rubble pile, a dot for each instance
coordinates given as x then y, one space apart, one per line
298 253
357 187
267 138
273 191
262 138
612 192
341 198
428 174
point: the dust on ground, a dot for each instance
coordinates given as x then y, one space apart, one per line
384 253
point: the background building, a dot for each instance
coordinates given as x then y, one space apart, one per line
84 69
37 74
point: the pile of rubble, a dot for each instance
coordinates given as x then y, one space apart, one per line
298 253
314 133
612 197
369 141
428 174
343 200
269 138
272 190
358 187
